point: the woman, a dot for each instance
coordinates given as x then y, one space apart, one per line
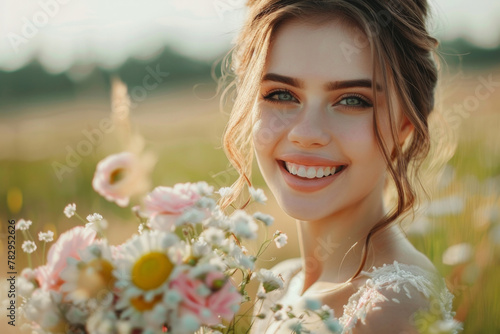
333 98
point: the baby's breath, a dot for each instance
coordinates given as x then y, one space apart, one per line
29 246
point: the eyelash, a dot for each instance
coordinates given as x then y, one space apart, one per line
366 103
267 96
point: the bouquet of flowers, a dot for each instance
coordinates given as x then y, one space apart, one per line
175 275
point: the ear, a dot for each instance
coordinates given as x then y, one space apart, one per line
405 129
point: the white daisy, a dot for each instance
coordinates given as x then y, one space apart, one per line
29 246
23 225
143 273
172 298
202 269
103 320
90 278
70 210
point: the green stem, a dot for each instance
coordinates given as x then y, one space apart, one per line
258 312
30 236
242 315
33 239
265 244
79 217
43 253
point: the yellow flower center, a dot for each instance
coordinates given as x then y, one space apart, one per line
117 175
141 305
94 277
151 270
104 268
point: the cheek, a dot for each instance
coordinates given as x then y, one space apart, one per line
267 130
357 137
264 142
260 137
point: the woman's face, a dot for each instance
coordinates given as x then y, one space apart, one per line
315 117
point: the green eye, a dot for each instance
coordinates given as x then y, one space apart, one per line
280 96
354 101
284 96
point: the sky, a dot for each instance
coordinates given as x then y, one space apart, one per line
64 33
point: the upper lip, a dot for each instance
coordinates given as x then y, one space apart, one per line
310 160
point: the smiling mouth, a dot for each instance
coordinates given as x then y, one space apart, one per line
311 172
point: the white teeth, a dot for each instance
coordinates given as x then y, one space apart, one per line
302 171
320 172
310 172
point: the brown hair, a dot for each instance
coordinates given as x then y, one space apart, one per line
402 54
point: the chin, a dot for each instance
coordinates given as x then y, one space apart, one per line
302 209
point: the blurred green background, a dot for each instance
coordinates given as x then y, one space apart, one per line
44 114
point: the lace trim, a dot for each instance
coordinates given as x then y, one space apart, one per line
399 278
396 276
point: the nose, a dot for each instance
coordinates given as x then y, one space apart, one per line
309 129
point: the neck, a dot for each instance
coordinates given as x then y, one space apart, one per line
332 247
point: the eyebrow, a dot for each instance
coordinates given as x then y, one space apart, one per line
329 86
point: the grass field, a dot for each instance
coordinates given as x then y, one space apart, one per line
185 132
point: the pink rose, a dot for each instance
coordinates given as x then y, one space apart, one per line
165 204
220 303
122 175
68 245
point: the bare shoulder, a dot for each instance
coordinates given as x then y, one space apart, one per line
396 297
405 252
394 312
416 258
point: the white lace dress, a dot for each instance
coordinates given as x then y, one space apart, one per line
394 287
